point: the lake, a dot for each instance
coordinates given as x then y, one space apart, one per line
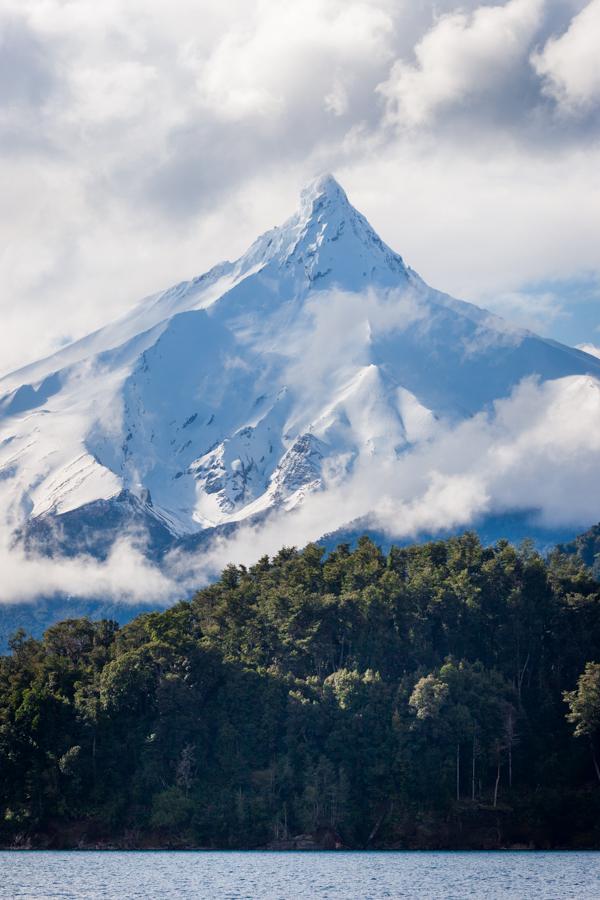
430 875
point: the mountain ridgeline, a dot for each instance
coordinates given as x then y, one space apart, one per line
439 695
316 357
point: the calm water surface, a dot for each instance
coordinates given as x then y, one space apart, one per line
127 876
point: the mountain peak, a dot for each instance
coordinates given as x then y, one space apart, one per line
307 361
333 242
328 242
324 190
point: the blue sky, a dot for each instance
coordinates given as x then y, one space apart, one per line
567 310
578 309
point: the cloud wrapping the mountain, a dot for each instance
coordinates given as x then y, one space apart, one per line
141 143
535 311
528 454
592 349
332 336
126 576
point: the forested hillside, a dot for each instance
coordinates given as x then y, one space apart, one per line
587 547
414 699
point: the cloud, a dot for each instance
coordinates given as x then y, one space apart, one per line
126 576
27 82
141 144
294 57
320 350
534 311
592 349
26 75
570 64
529 453
102 96
464 56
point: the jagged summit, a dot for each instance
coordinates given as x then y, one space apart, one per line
322 191
327 242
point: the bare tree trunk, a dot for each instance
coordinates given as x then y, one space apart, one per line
378 824
458 770
473 771
510 737
496 785
594 758
522 676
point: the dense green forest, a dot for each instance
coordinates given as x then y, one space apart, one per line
587 547
443 695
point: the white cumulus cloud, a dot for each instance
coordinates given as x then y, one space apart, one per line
570 63
464 55
142 142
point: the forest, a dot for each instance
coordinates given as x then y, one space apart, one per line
444 695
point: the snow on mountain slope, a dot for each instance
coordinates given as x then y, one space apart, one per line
260 382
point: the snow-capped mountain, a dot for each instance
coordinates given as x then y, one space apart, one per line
249 387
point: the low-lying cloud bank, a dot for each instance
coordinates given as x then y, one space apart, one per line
126 576
537 449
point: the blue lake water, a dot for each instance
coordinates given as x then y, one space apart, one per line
452 876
